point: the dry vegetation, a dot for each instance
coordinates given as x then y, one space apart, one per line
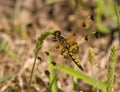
22 22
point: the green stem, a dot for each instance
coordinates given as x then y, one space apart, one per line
53 85
118 19
32 72
38 47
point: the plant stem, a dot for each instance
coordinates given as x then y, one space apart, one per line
38 47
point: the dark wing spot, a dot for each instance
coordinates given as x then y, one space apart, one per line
92 17
97 34
47 72
86 38
47 53
53 63
84 24
39 58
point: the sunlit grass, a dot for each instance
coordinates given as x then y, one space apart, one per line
5 48
53 85
118 18
106 9
3 79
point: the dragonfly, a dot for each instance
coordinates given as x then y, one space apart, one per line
70 49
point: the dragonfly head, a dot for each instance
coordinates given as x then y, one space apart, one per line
57 33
